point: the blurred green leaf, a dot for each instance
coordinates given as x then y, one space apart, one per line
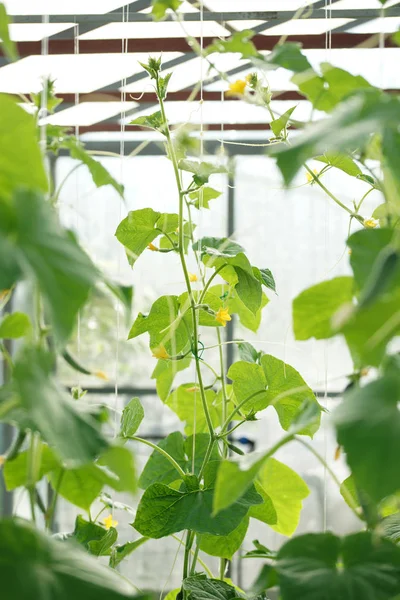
17 473
99 174
165 373
280 124
8 46
159 7
154 121
340 161
132 416
15 325
202 198
239 42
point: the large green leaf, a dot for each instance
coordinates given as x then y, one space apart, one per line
350 126
141 227
235 476
239 42
79 486
159 7
165 325
368 427
246 317
224 546
32 565
314 308
21 162
15 325
340 161
64 424
249 380
288 56
202 197
163 510
316 566
201 588
202 171
286 490
218 247
165 373
186 402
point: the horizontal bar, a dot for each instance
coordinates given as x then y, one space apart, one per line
155 45
211 127
137 17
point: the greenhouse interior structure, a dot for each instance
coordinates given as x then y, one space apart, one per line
200 300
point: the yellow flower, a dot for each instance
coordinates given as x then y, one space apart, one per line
338 452
2 460
101 375
152 247
160 352
109 522
223 316
237 88
192 277
310 178
370 223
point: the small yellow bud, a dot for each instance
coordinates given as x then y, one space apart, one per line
310 178
101 375
109 522
223 316
192 277
350 251
160 352
370 223
2 460
338 452
152 247
236 88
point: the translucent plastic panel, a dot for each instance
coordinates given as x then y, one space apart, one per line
33 32
264 5
88 113
355 4
54 7
166 29
72 73
385 25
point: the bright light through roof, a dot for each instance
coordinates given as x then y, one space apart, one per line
386 25
366 4
34 32
88 113
60 7
166 29
82 73
264 5
299 26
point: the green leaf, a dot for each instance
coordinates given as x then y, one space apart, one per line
103 546
132 416
183 400
369 329
316 566
286 490
247 352
280 124
340 161
58 418
248 288
366 245
49 254
158 468
314 308
21 162
238 42
209 589
121 552
159 8
99 174
154 121
141 227
219 247
8 46
163 510
266 278
118 469
224 546
165 373
78 486
202 198
202 170
349 128
288 56
249 379
165 325
16 471
15 325
390 528
368 427
246 317
86 532
266 579
234 477
33 565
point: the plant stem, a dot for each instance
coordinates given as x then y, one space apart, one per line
161 451
207 455
203 564
195 556
172 154
203 293
237 409
346 495
222 567
228 432
49 516
321 185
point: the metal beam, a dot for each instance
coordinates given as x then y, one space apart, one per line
155 45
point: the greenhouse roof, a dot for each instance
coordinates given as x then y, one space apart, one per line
92 51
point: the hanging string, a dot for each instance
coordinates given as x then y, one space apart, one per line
43 100
124 50
77 199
